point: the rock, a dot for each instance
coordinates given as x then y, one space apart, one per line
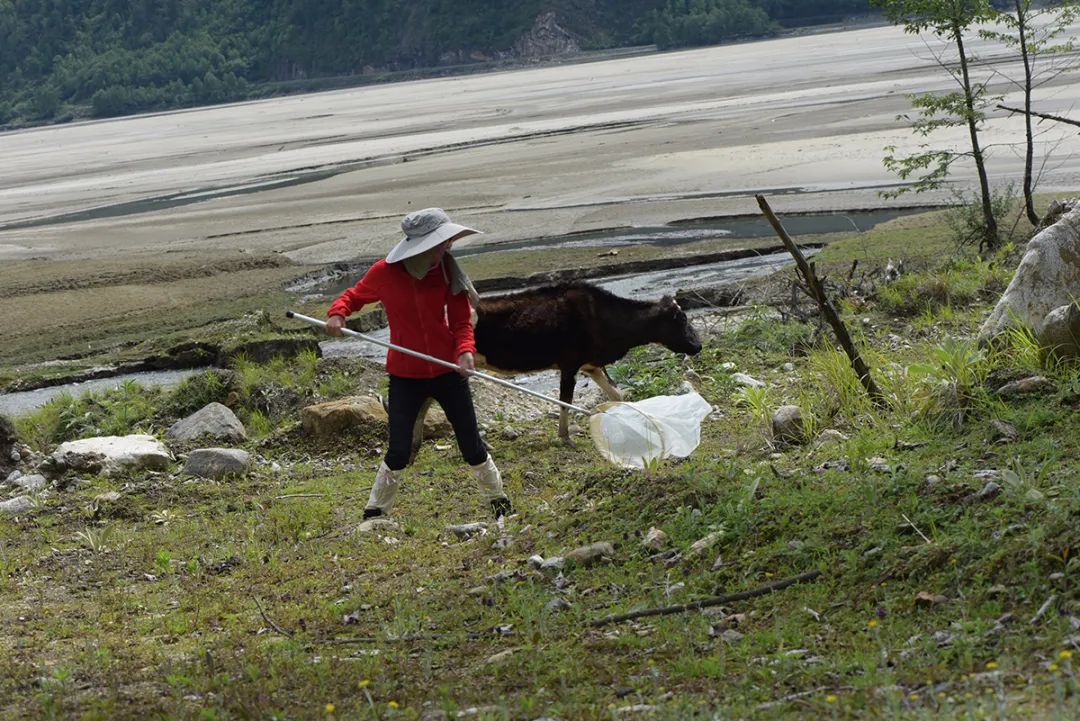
326 421
554 563
1048 277
925 599
555 605
1002 432
1060 334
536 561
509 434
988 491
655 539
17 505
378 524
787 424
113 454
588 555
1026 386
468 530
704 544
546 39
213 420
829 435
32 483
501 656
879 464
743 379
731 636
108 497
217 463
13 476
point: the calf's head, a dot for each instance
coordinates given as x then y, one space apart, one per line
673 328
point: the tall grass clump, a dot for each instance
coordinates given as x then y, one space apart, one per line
126 409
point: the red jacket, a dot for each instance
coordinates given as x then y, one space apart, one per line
423 315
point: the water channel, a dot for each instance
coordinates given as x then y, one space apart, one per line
642 286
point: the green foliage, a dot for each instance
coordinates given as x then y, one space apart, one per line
957 282
195 392
967 218
683 23
952 21
105 57
129 408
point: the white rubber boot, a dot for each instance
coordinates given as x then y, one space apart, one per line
383 493
491 487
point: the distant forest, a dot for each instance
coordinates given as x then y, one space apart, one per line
63 59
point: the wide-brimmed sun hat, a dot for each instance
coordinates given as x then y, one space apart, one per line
425 229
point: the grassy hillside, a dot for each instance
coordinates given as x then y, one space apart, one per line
940 595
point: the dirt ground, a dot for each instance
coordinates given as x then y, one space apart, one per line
122 221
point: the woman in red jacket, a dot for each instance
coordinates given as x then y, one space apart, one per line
427 301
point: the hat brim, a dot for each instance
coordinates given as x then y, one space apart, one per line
408 247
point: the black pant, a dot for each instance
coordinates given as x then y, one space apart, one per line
451 391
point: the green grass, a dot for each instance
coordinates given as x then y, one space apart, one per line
254 598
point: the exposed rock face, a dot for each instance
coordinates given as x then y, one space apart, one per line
1060 334
213 421
263 351
113 454
546 39
1048 278
217 463
326 420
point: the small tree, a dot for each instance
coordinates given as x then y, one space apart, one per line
950 20
1036 33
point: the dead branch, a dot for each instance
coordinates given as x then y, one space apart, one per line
825 305
1045 116
269 621
707 602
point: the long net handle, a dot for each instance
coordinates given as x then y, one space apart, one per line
438 361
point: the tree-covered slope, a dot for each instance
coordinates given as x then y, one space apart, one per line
107 57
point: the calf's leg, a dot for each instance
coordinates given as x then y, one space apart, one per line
566 395
601 378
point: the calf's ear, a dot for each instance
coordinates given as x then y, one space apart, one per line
668 302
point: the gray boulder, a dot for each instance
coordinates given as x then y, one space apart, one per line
17 505
217 463
32 483
787 425
1048 277
1060 334
211 421
113 454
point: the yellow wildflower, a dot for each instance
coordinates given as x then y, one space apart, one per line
393 704
872 623
329 708
913 696
364 683
831 698
991 666
1052 667
1065 655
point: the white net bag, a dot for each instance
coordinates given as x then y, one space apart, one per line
632 434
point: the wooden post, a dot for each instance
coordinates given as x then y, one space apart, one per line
825 305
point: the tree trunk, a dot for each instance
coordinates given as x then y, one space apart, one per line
1029 200
990 232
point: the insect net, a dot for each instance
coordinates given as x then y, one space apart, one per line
635 434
